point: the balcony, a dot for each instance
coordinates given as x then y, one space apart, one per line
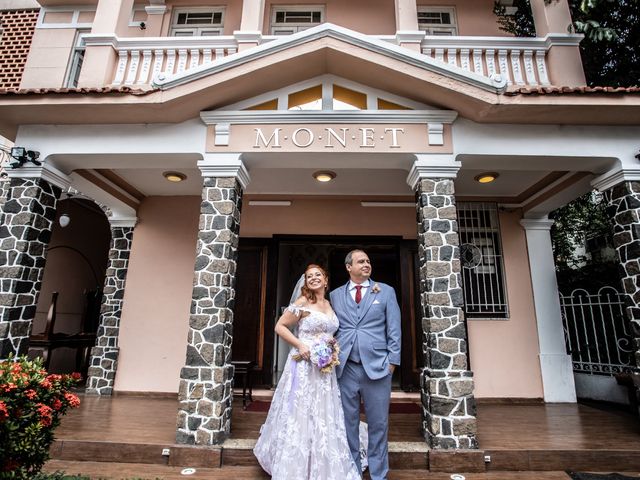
520 61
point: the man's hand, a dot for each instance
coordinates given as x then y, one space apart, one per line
392 368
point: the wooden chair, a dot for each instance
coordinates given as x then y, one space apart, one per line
48 340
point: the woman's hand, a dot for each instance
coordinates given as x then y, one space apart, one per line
303 351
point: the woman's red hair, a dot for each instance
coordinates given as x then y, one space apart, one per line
306 291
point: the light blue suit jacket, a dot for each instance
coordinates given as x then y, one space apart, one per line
375 327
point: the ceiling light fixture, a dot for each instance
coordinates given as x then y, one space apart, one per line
174 176
486 177
324 175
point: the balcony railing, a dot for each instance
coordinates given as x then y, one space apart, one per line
521 61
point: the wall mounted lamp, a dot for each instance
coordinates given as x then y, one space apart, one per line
21 155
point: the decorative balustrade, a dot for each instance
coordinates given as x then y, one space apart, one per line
522 61
142 59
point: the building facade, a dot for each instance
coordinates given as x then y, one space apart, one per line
187 144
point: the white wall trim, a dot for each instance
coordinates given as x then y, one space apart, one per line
331 116
46 171
432 166
333 31
224 165
613 178
123 222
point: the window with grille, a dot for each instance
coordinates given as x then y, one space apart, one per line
485 294
437 20
292 19
77 57
197 22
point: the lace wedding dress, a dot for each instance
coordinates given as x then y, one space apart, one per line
304 435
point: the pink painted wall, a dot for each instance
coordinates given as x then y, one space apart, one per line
48 58
371 17
504 353
155 314
474 18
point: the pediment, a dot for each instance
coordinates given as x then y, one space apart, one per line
319 38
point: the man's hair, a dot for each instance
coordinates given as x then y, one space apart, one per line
348 260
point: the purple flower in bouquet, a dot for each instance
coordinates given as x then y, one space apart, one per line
324 354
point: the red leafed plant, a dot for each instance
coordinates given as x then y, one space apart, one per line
32 402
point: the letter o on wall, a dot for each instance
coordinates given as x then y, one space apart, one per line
294 137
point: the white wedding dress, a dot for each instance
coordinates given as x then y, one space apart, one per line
304 435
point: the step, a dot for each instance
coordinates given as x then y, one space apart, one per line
402 456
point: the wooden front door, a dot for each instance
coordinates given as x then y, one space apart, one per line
253 311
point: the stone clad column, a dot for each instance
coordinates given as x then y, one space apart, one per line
25 230
206 380
104 355
623 206
449 408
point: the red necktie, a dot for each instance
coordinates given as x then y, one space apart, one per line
358 293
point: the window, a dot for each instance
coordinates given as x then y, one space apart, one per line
481 260
437 20
197 22
292 19
77 57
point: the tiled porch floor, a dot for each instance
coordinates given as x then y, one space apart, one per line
500 427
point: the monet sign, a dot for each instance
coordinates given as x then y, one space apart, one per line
410 137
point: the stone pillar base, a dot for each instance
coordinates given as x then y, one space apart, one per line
449 409
102 371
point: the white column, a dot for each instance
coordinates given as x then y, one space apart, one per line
555 364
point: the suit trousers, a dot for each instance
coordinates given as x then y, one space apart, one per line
376 394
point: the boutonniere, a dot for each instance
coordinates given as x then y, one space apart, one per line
375 288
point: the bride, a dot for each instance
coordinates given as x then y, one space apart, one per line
304 435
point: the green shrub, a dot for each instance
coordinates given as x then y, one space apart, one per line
31 405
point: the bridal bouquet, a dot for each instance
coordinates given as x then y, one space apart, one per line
324 354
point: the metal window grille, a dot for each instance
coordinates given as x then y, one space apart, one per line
597 333
481 258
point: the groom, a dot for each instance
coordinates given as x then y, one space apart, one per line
369 339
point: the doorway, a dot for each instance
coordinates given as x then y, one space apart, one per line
268 270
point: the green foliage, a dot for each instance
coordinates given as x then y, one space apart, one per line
583 218
611 48
31 405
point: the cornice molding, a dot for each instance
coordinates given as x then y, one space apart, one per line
224 165
432 167
123 222
45 171
499 43
330 116
537 223
611 179
328 30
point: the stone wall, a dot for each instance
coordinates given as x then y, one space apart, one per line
206 380
623 206
104 356
449 409
25 231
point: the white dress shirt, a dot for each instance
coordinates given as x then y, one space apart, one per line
363 291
